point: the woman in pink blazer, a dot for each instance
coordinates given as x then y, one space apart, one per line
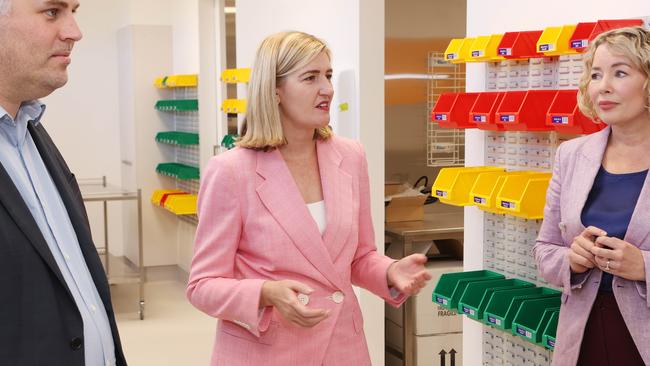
284 225
595 238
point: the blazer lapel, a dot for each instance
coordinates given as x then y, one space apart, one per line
638 228
338 195
586 169
281 197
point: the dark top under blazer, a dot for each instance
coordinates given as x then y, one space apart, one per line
39 320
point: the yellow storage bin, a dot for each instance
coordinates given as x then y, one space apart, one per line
485 48
486 187
524 195
234 106
554 41
177 81
158 195
232 76
182 204
458 50
453 185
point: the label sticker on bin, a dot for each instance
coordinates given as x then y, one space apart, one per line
480 118
551 343
579 43
440 117
507 118
545 47
564 120
469 311
505 51
440 193
524 332
479 200
478 53
507 204
494 320
441 300
451 56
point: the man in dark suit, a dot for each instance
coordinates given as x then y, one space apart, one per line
55 306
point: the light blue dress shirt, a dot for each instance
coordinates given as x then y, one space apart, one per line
22 161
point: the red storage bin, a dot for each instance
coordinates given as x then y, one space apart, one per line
452 110
520 44
565 116
525 110
586 32
484 109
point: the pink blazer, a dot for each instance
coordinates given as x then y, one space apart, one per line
576 163
254 226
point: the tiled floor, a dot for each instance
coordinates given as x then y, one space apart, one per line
173 332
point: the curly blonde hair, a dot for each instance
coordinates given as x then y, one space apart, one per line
631 42
277 56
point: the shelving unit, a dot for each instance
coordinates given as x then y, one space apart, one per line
179 109
528 107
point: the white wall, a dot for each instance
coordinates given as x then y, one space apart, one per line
484 18
354 30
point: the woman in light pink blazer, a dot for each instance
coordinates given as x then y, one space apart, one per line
595 238
284 225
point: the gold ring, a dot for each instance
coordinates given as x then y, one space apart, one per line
607 266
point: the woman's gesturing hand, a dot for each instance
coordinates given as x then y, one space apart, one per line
408 275
580 257
619 258
283 295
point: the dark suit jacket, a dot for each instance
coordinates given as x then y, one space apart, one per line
39 321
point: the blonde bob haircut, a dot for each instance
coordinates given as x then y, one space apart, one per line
279 55
631 42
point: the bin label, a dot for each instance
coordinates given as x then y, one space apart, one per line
451 56
545 47
440 117
524 332
477 53
507 118
440 193
580 43
505 51
494 320
564 120
469 311
506 204
441 300
550 342
479 200
479 118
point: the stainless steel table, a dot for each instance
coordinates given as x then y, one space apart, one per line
118 270
441 222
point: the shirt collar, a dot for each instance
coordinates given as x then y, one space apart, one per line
29 111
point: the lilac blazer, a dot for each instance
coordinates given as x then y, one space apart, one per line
576 163
254 226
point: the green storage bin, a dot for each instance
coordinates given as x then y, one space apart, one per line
450 286
477 294
548 337
532 317
178 138
503 306
178 171
172 105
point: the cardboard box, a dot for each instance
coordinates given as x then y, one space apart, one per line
436 350
431 318
403 208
